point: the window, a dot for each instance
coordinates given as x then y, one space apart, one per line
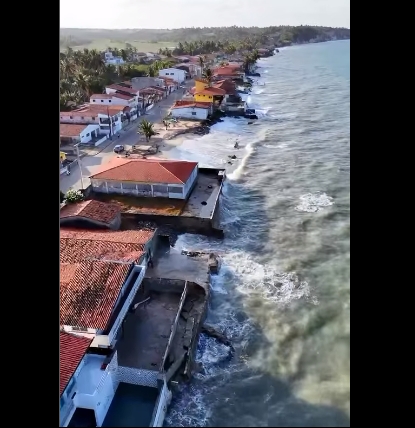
82 118
93 101
87 135
102 101
109 101
70 117
93 117
193 113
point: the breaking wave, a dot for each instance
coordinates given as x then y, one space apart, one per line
313 202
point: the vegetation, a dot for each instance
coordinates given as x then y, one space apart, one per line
146 128
83 73
73 196
198 40
208 76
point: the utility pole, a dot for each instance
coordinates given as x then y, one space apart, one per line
79 164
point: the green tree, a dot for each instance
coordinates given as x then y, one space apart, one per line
146 128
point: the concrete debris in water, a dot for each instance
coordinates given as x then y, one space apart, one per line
219 336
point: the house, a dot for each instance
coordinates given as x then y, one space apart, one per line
228 72
191 110
120 99
100 273
209 94
92 213
111 59
174 73
109 118
72 133
144 177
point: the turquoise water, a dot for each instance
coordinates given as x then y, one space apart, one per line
283 293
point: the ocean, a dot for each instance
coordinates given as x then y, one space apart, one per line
283 292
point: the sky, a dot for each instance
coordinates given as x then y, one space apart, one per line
202 13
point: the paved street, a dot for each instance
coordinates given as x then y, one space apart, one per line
128 137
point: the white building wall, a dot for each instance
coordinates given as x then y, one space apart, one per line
174 73
78 118
136 376
87 134
123 312
108 101
163 403
105 395
190 113
189 183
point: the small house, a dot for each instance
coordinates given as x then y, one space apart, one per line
146 177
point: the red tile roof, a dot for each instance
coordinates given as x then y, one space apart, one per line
122 96
77 245
92 210
228 71
101 96
88 293
146 171
157 88
71 351
211 91
227 85
192 104
71 129
93 110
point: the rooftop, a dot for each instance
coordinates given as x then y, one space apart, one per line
77 245
71 351
146 171
111 96
93 110
228 70
71 129
123 89
91 210
192 104
211 91
88 292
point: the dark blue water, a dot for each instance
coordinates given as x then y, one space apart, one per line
283 294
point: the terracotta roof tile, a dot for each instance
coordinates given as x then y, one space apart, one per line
92 210
146 171
93 110
101 96
71 351
77 245
192 104
229 71
211 91
71 129
88 297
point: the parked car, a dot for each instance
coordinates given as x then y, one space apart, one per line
119 148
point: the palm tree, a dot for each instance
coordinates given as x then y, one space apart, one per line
208 75
201 62
146 128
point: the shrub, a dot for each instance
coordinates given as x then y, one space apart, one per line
74 196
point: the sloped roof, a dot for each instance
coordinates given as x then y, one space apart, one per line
88 292
77 245
71 351
91 210
146 171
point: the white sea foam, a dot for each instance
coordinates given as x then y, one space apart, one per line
313 202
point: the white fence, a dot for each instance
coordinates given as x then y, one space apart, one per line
137 376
